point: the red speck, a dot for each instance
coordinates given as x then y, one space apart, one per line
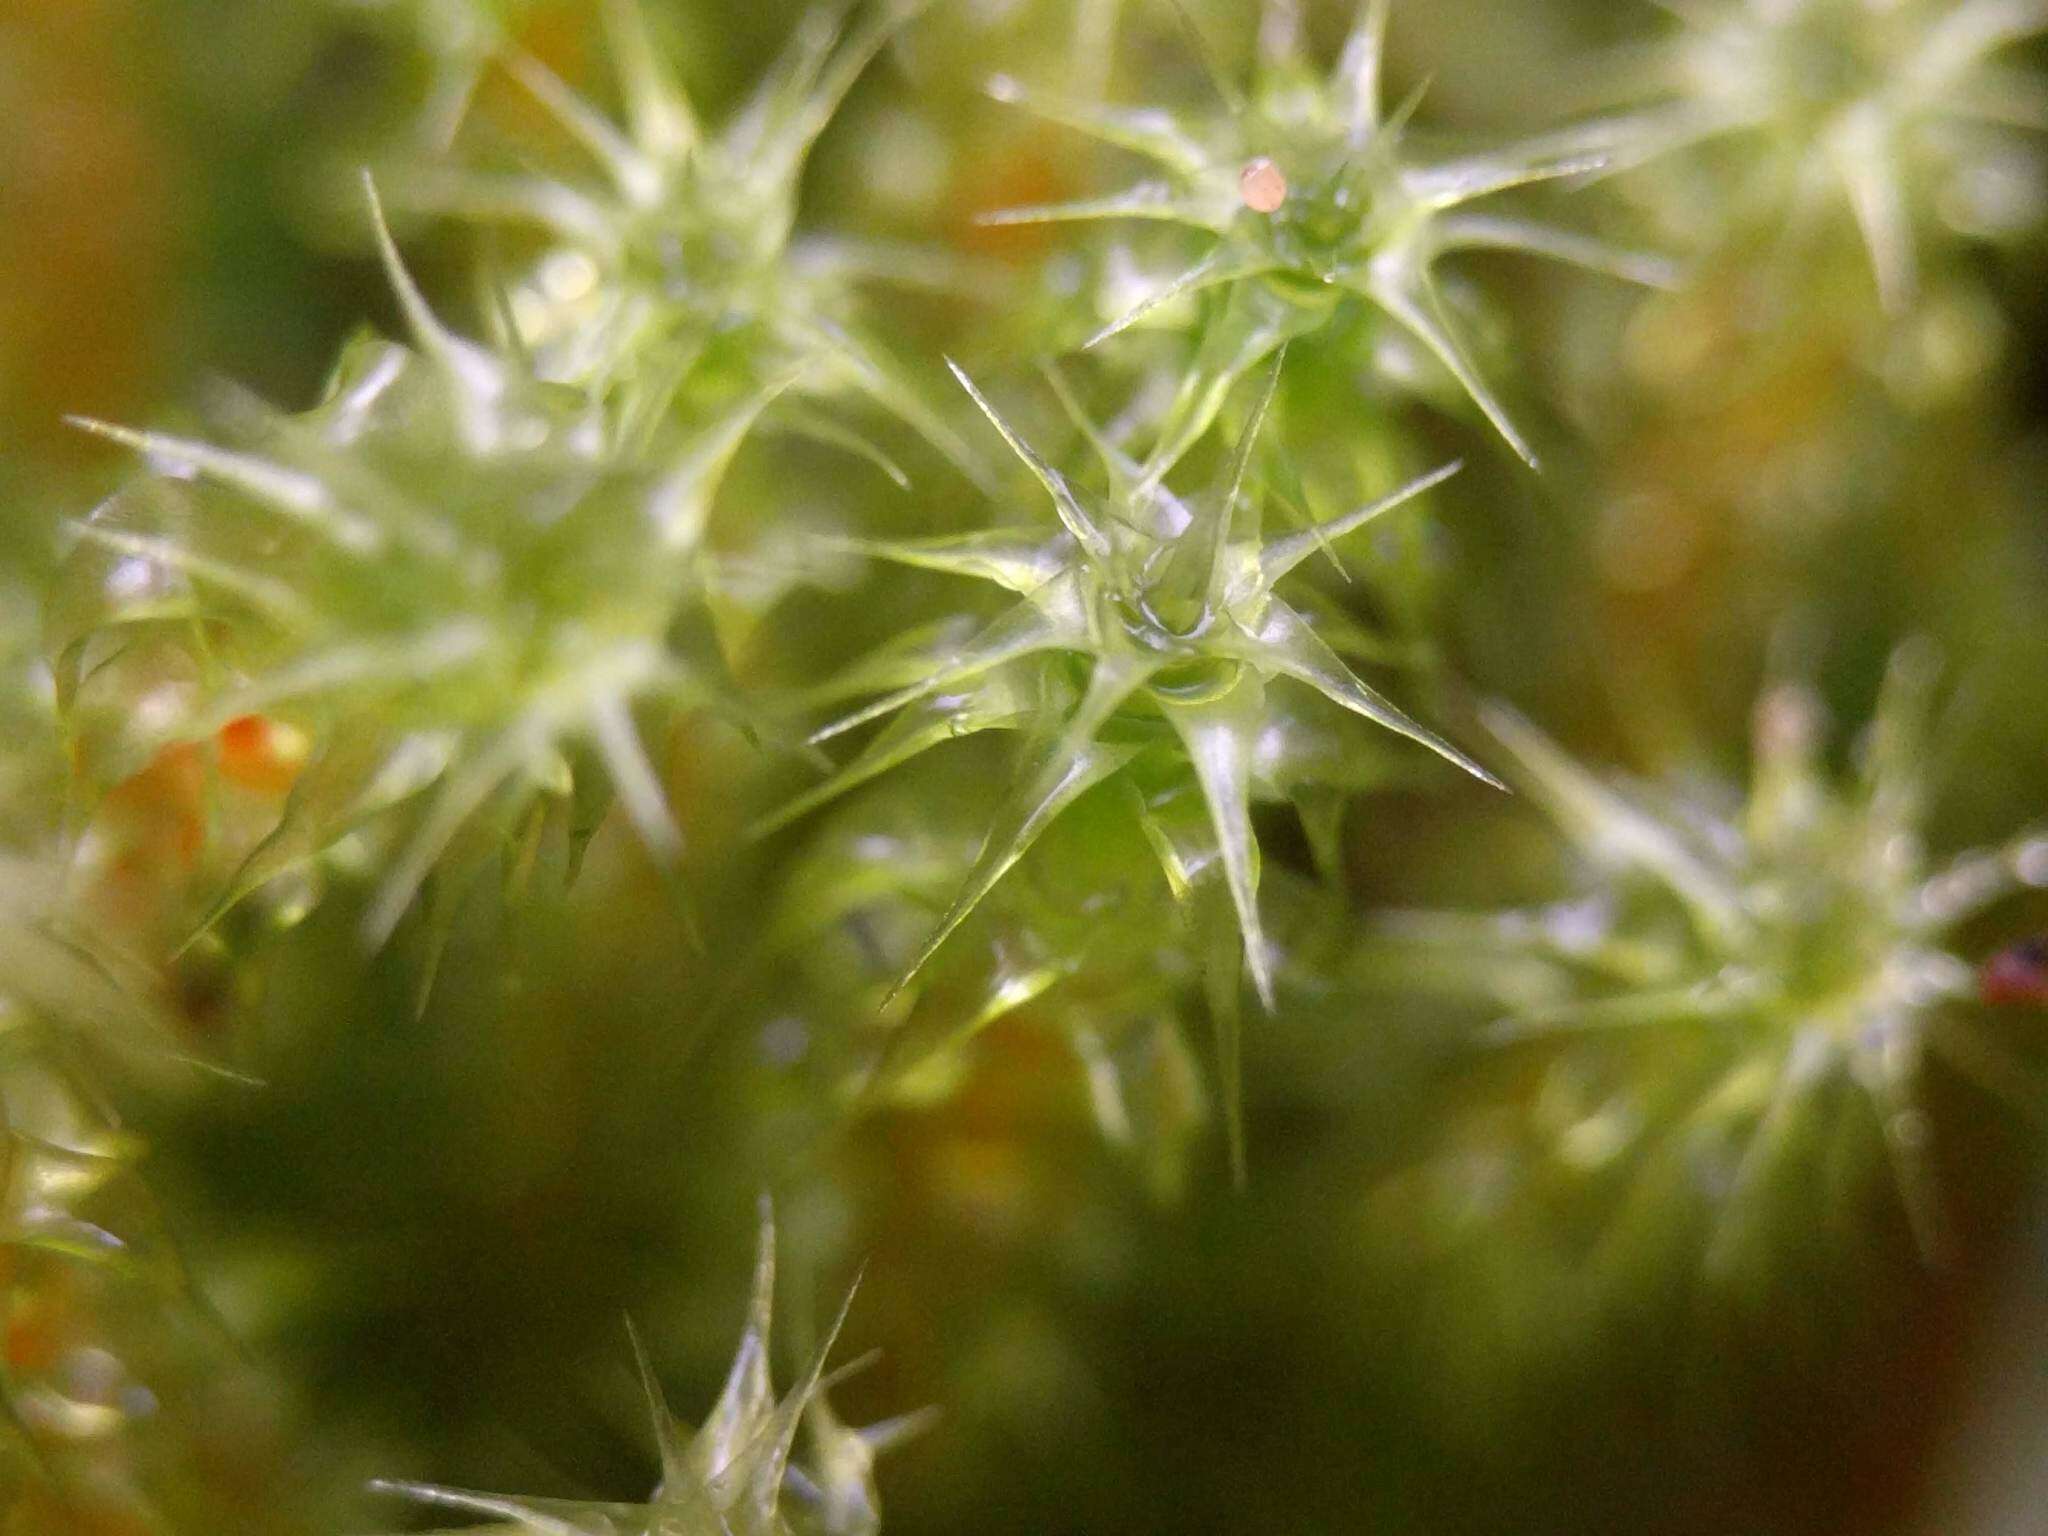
2017 976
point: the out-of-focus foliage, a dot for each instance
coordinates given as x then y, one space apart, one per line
1708 1010
446 575
117 1386
1905 115
426 931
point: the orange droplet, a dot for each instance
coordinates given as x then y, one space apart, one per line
1261 185
261 754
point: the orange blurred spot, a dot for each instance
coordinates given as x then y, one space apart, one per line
161 810
1022 174
262 754
32 1340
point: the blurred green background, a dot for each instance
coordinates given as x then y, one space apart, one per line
424 1233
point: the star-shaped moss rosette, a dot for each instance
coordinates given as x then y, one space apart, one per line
675 282
1900 114
1313 197
443 575
740 1473
1144 620
1752 992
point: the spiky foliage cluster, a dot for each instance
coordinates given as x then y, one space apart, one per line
1313 198
1905 115
455 641
1146 636
1742 990
1143 609
671 277
739 1473
472 605
457 587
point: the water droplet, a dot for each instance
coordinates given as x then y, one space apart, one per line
1262 186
